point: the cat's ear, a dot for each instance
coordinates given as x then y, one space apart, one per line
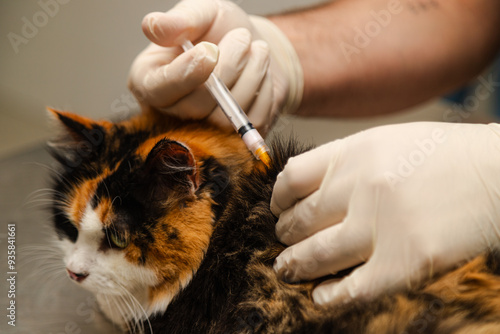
79 137
77 128
171 165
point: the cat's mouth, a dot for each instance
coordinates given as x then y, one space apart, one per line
95 283
76 276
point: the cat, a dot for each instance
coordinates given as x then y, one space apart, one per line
168 223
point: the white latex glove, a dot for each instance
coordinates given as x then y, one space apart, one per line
256 62
404 201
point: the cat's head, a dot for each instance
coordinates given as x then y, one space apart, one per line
135 203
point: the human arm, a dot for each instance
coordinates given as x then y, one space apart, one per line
359 57
419 50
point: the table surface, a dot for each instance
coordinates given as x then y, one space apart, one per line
46 301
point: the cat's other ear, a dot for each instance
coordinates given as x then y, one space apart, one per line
77 128
171 165
79 137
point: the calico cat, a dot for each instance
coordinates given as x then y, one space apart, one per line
168 224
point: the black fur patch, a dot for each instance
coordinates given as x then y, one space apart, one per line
493 261
216 178
64 228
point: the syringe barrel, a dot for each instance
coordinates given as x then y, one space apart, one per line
226 102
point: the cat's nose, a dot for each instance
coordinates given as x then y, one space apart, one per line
76 276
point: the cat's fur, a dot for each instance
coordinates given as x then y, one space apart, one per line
190 207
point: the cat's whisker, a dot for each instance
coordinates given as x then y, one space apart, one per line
114 303
49 276
106 231
40 261
46 200
43 192
123 313
52 240
106 187
51 217
54 171
54 270
132 317
37 261
60 199
125 306
137 317
44 195
107 300
36 203
45 274
47 263
114 199
108 303
38 199
40 249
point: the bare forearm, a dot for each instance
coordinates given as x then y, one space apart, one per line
366 57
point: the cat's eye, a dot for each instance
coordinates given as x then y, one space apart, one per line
119 240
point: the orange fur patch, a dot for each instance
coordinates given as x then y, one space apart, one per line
202 139
81 197
104 210
175 258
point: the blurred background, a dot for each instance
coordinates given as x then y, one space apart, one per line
75 55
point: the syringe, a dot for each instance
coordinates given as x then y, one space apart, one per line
235 115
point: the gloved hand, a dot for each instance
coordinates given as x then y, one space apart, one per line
404 201
256 62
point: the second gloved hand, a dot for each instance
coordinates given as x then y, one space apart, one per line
250 54
403 201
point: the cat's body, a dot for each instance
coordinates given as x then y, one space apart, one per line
168 223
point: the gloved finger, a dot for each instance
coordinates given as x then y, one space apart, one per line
162 85
339 197
333 249
249 81
188 19
307 217
386 261
365 283
235 49
233 56
302 176
261 114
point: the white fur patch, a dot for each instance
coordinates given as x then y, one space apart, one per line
120 286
